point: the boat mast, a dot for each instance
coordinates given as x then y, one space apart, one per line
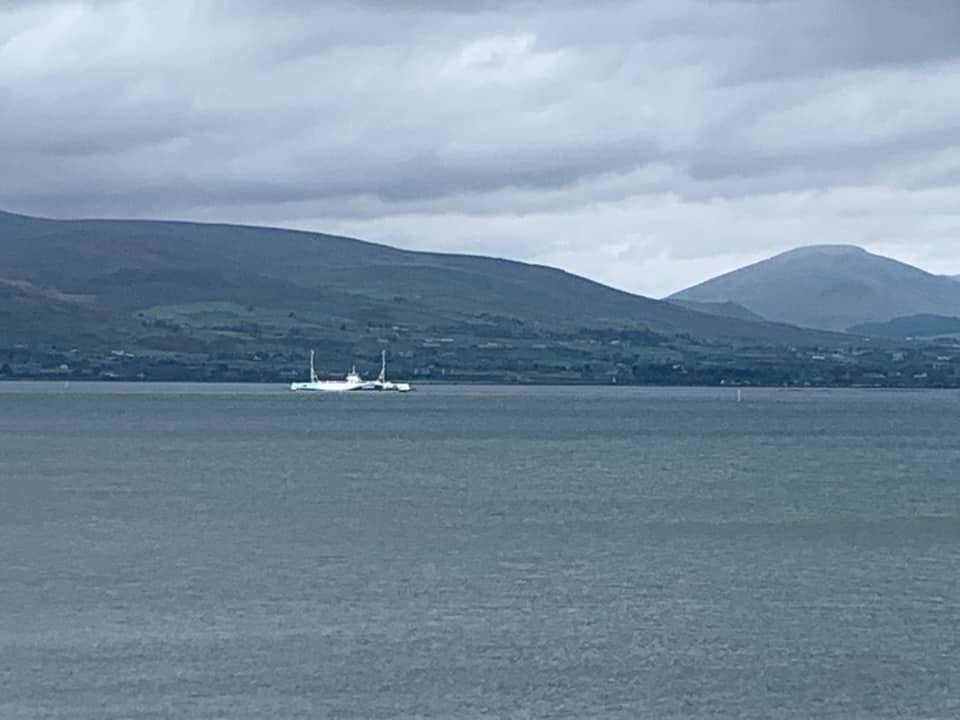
383 366
313 373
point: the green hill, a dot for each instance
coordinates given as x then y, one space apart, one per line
911 327
203 300
137 264
723 309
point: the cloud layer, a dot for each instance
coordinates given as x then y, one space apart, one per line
648 145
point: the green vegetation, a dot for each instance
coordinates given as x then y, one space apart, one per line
178 301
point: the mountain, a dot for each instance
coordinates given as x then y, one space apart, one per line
122 266
180 300
912 327
721 309
831 287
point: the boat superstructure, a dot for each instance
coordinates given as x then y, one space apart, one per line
352 382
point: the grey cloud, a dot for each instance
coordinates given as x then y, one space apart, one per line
817 36
368 115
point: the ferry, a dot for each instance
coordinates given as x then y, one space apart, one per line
352 382
381 383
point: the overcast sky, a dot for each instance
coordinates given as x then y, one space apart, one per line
648 145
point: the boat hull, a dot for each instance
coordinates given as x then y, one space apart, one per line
340 387
329 387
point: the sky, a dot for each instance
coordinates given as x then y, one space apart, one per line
648 145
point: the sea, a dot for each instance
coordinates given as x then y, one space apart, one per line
241 551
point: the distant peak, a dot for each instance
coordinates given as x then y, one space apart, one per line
832 250
18 216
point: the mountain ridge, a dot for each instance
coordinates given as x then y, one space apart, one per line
911 327
830 287
139 263
722 309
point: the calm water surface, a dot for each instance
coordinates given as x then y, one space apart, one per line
178 551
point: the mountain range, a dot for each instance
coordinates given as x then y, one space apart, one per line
831 287
119 267
209 295
180 300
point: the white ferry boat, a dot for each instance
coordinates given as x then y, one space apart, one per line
352 382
